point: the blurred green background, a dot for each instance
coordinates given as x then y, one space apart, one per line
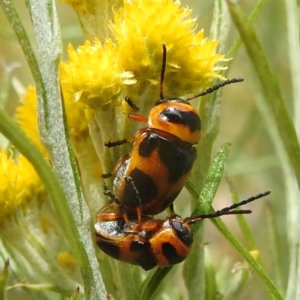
253 166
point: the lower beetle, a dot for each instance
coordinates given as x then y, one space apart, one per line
151 242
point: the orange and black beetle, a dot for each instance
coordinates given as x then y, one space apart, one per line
150 242
162 154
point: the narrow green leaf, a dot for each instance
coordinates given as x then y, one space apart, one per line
152 283
237 43
16 25
5 84
292 190
220 26
194 265
241 218
72 210
238 284
248 257
212 183
3 280
209 108
222 227
75 294
127 287
211 289
54 134
274 245
269 86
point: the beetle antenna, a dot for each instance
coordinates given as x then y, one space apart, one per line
216 87
162 72
230 210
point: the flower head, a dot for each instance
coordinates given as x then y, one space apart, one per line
26 116
92 75
20 183
191 58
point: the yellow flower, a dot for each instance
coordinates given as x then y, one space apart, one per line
77 122
20 183
66 260
143 26
92 75
26 116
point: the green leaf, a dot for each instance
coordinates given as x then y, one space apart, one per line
270 88
5 84
3 280
153 282
66 193
194 266
75 294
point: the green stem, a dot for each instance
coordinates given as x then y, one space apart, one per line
248 257
152 283
66 193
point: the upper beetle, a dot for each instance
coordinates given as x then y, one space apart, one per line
149 178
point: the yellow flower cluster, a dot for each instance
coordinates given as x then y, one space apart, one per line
142 26
19 183
26 116
92 74
98 73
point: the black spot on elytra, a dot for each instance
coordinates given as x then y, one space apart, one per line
146 262
109 248
170 253
149 144
177 156
178 160
139 190
138 246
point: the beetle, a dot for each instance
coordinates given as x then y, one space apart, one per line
162 153
149 242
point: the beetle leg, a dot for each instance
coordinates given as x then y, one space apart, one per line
118 143
137 117
119 163
111 195
171 209
131 104
139 207
106 175
133 115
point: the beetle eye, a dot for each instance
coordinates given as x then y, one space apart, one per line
183 232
